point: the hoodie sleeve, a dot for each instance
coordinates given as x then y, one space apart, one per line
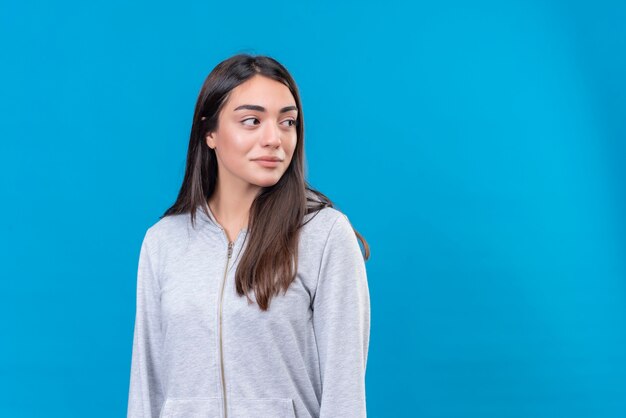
145 392
341 320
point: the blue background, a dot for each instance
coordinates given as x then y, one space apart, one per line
480 147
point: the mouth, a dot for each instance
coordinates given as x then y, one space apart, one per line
268 163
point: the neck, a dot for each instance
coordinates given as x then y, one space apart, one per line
232 209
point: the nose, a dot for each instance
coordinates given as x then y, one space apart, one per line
272 135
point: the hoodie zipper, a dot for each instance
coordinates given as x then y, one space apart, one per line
230 251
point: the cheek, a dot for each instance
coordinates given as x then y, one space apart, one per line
236 147
289 141
292 145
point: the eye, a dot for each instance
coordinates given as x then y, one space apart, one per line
293 122
247 124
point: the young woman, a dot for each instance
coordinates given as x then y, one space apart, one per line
252 294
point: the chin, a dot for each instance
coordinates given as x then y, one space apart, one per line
266 182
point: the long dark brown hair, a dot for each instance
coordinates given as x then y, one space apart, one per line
277 213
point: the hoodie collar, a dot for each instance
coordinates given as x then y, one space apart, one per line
211 218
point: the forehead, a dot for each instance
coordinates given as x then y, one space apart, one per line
263 91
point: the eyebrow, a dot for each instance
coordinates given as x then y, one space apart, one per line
262 109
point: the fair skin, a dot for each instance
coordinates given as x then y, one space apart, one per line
243 135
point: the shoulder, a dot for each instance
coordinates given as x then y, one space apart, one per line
321 221
167 230
327 224
323 230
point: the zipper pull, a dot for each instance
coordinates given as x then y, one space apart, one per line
230 249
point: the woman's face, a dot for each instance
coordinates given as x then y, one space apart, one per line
258 120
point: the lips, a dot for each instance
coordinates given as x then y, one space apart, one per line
267 159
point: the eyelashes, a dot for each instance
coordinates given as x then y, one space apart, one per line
293 122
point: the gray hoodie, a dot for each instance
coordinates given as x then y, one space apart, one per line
200 350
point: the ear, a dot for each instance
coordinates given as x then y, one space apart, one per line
210 140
